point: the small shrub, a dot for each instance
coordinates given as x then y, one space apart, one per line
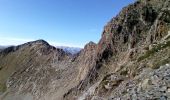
124 72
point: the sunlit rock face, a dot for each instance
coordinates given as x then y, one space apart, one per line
131 61
136 39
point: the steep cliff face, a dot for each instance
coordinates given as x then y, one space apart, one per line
142 23
131 61
88 54
136 39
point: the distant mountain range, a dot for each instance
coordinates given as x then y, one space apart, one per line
131 61
71 50
2 47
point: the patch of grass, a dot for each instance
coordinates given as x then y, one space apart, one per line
160 63
0 67
3 87
154 50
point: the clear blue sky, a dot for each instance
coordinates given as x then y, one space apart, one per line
60 22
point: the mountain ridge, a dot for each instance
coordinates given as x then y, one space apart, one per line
131 61
71 50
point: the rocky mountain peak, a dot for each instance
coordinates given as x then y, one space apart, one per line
141 23
131 61
89 45
126 46
40 41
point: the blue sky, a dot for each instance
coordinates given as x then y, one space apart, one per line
60 22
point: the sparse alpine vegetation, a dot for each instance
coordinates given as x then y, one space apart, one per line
130 62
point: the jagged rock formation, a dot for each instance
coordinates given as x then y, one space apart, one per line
130 62
134 40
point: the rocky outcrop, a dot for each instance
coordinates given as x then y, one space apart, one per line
131 41
86 62
131 61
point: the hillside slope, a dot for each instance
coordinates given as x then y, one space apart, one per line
31 68
130 62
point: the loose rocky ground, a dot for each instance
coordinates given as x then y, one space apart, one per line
130 62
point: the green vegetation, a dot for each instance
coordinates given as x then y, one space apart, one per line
154 50
167 37
124 72
160 63
2 87
103 83
0 67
